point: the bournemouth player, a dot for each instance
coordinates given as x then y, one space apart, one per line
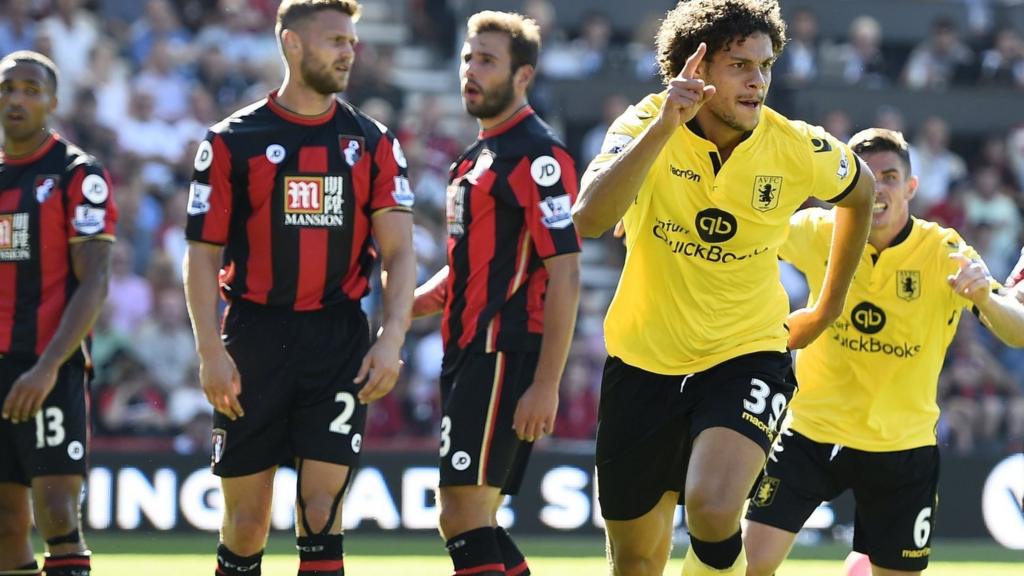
704 178
1015 281
57 217
865 417
509 293
292 198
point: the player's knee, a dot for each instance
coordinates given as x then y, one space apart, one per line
709 507
56 512
321 510
759 564
247 524
629 561
461 513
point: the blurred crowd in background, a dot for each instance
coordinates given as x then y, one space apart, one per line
141 81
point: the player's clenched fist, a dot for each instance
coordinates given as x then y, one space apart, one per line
686 93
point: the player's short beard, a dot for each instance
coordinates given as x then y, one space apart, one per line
320 78
494 102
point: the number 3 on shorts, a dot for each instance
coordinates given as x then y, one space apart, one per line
759 391
340 424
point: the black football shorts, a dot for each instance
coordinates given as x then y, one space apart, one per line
896 495
647 423
56 441
479 399
298 394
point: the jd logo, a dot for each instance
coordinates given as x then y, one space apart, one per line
714 225
868 318
767 190
820 145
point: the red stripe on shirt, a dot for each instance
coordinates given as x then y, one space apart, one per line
312 241
354 284
218 219
260 266
9 200
481 253
53 261
517 570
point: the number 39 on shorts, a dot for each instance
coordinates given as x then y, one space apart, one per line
758 401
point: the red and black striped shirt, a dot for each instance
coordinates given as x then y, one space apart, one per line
509 201
54 198
291 199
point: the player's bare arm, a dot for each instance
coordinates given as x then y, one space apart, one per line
853 222
1002 313
392 231
217 372
536 410
90 261
429 298
606 194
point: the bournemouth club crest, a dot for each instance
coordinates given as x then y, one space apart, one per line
351 149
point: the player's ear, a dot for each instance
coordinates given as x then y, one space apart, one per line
912 184
291 43
523 76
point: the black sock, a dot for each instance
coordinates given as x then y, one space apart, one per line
515 562
23 570
321 555
67 565
476 552
718 555
231 564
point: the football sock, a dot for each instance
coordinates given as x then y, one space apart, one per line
476 553
715 558
231 564
515 562
67 565
321 555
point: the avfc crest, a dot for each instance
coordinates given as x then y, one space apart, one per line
351 149
767 190
765 492
908 284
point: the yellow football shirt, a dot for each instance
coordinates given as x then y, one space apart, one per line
700 284
869 381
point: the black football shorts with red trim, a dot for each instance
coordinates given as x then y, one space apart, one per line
479 398
298 394
647 423
56 441
896 495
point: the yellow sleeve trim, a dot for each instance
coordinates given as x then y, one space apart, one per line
391 209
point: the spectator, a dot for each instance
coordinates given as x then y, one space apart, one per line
164 84
108 79
163 342
988 202
859 61
614 106
129 401
798 65
72 32
936 165
130 299
939 60
17 29
160 23
1003 64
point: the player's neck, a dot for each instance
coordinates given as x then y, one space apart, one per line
504 116
883 238
724 137
302 100
14 149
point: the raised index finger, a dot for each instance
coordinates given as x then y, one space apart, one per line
961 259
690 68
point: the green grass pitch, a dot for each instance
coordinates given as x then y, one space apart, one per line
162 554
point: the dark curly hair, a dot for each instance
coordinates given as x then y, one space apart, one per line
716 23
